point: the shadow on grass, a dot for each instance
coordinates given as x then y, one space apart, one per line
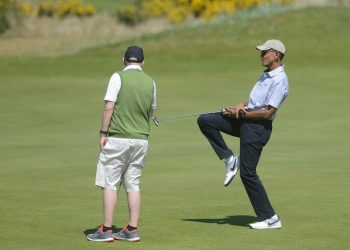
92 230
235 220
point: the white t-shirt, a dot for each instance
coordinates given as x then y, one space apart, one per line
115 84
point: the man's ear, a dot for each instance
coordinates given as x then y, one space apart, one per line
278 56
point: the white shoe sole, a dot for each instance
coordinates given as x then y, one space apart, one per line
130 240
278 225
100 240
262 228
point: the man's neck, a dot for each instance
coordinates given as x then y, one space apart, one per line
274 66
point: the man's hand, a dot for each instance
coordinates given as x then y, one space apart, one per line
103 141
229 111
239 108
234 110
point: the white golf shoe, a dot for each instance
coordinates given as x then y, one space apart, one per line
273 223
231 170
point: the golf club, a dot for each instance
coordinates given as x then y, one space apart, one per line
158 121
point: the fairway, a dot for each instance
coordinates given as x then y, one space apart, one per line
50 111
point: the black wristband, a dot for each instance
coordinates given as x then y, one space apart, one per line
241 114
103 132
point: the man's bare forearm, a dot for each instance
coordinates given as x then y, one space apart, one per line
107 115
260 114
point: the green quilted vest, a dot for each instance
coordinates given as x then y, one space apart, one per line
130 117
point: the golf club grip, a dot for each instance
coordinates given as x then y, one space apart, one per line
155 121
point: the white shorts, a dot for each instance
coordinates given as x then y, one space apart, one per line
121 161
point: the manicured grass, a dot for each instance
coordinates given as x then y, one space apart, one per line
50 115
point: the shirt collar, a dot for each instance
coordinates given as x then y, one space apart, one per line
274 72
133 66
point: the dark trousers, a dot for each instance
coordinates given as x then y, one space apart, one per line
253 137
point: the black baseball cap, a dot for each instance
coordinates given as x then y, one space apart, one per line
134 54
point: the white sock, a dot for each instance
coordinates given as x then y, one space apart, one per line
275 217
229 159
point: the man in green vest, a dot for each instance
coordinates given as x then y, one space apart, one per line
129 104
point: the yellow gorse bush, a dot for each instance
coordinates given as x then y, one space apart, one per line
26 8
65 8
46 9
130 14
179 10
158 7
89 10
60 9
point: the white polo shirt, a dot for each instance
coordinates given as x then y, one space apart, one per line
115 84
271 89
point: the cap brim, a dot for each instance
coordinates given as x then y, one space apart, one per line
262 47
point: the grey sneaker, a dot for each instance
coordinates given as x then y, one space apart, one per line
125 234
231 170
99 235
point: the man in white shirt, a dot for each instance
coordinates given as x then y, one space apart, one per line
252 122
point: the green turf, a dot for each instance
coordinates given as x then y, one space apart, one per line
50 113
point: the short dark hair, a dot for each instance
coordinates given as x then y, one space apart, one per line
280 55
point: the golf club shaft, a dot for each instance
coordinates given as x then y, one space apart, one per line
188 115
156 121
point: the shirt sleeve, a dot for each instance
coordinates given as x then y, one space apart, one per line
113 88
154 101
279 94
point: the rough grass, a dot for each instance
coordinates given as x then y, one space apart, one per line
50 115
39 36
